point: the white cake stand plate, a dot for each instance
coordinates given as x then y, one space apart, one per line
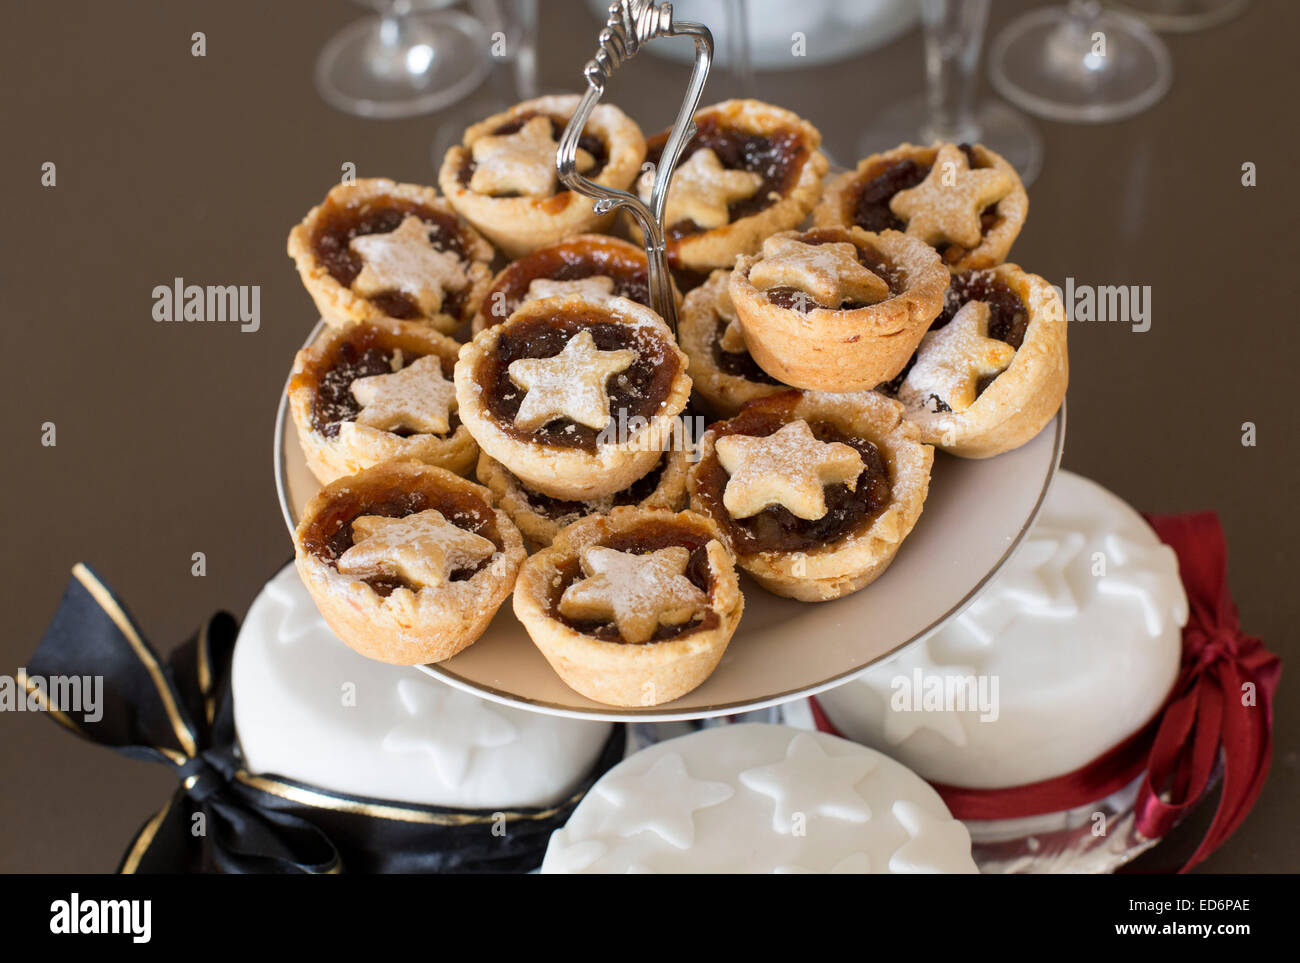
975 517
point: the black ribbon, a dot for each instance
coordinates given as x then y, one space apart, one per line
223 818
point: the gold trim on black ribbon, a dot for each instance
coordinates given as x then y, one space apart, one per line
104 598
144 840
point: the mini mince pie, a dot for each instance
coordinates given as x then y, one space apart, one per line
592 265
750 170
407 563
540 517
723 372
836 309
965 201
503 179
377 390
633 608
576 398
376 249
813 492
993 369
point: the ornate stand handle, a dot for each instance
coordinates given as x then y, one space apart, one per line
632 23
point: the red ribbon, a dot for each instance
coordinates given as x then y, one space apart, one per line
1221 703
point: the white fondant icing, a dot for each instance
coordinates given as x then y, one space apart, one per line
309 708
759 799
1081 631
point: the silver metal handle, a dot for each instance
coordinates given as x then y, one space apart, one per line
631 24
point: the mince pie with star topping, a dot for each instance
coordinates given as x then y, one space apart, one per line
377 390
378 250
596 266
751 170
503 178
993 369
577 398
965 201
407 562
836 309
633 608
540 517
813 492
724 373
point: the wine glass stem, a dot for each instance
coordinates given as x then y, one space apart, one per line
954 32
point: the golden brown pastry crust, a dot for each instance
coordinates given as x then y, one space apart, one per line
540 528
359 446
717 248
407 627
844 350
618 673
339 305
596 249
697 332
572 473
858 558
518 225
836 206
1023 398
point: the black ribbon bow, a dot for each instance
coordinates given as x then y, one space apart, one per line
223 818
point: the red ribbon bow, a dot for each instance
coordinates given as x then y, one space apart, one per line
1221 700
1223 697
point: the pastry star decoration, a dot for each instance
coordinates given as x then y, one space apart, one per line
733 339
951 361
830 274
638 801
637 593
598 288
405 260
417 398
811 782
446 725
423 548
521 162
702 189
569 385
946 206
933 844
790 468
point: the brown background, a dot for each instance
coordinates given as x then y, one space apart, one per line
170 165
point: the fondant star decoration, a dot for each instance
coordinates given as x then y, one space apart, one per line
702 189
830 274
789 467
853 864
574 857
934 841
521 162
416 398
447 726
1034 584
423 548
405 260
900 725
662 800
569 385
946 206
293 627
811 782
951 361
638 593
598 288
1133 572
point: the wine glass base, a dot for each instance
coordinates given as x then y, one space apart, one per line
997 127
442 56
1045 62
